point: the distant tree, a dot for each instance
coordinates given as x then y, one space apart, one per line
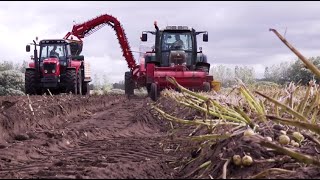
11 79
96 82
23 66
119 85
11 83
6 65
245 73
285 72
299 73
227 76
266 73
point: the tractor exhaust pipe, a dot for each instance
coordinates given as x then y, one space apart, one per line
308 64
36 60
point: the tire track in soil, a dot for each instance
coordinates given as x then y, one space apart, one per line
121 141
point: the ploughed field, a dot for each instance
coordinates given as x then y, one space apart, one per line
81 137
113 136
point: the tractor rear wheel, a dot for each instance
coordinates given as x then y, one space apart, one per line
85 88
154 92
79 82
148 88
31 86
128 83
206 87
71 80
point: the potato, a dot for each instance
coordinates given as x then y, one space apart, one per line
298 136
268 138
284 139
236 160
248 132
247 160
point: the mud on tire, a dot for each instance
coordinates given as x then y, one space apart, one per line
154 94
71 80
79 83
85 88
31 85
206 87
128 83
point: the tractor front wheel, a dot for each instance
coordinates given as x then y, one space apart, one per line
154 92
71 80
31 86
128 83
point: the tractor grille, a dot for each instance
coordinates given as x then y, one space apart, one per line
49 68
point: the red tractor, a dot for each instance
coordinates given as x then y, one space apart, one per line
169 58
58 68
175 54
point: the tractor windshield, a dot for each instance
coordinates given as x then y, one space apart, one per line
173 41
177 41
52 50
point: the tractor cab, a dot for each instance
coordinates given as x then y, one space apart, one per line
53 49
176 48
177 45
54 57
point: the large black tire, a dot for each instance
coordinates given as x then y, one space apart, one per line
85 88
206 87
79 82
31 85
71 80
148 88
128 83
154 92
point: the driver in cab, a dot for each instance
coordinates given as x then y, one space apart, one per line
178 44
53 52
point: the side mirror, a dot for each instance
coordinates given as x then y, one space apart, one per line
28 48
144 37
205 37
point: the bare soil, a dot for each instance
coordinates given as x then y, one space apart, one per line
81 137
115 137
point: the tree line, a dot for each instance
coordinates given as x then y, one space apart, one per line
295 71
281 73
12 75
12 78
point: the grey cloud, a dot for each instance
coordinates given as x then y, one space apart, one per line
238 31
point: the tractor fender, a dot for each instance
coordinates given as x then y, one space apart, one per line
71 68
30 68
75 64
31 65
150 72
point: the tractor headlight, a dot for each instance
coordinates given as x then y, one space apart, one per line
53 71
46 71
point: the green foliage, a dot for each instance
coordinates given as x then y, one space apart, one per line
119 85
101 85
12 78
11 82
227 75
286 72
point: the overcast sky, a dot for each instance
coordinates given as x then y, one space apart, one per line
238 31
